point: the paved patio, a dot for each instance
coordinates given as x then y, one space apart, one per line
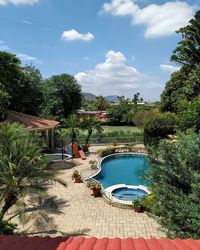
82 214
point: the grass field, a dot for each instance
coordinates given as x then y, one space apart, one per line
121 128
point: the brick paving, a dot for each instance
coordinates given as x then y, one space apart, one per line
84 215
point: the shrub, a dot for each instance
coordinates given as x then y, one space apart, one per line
148 202
159 127
7 227
175 180
106 151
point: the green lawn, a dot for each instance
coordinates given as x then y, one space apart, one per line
121 128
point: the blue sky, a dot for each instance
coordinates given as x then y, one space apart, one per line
111 46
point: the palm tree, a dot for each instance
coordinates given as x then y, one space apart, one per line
71 123
23 168
89 124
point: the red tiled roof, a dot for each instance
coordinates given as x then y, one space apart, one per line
31 122
81 243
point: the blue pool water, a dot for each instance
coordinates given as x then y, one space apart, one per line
129 194
126 169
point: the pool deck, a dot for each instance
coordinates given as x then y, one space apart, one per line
80 214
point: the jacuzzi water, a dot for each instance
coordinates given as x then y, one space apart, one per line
128 169
128 194
58 157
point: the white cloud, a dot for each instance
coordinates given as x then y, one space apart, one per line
159 20
169 68
18 2
23 57
72 35
115 77
26 22
27 58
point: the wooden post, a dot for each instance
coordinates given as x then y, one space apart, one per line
52 138
47 138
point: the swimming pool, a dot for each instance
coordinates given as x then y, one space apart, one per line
128 169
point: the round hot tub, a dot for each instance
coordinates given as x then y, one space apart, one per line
58 157
129 193
126 194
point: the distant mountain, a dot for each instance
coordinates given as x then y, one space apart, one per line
92 97
89 96
112 98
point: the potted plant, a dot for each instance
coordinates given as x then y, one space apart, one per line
93 165
137 206
96 188
76 176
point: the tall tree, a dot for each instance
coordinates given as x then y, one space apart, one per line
72 122
63 96
33 94
22 84
136 98
184 84
100 103
188 50
90 124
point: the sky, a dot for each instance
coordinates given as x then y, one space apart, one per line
112 47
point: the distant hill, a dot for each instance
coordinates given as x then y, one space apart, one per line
89 96
112 98
92 97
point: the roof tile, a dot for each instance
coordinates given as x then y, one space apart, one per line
30 122
81 243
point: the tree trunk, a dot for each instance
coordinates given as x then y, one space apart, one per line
9 201
88 136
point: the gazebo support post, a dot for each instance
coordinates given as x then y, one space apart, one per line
47 138
52 139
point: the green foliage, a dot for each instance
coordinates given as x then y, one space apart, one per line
106 151
175 178
111 137
90 124
136 203
189 115
62 96
141 118
7 227
33 94
100 103
161 125
21 84
121 113
149 202
4 103
188 50
23 168
136 98
185 83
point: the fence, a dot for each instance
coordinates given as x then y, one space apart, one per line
113 139
110 139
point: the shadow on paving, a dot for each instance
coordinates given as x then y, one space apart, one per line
66 165
41 213
54 232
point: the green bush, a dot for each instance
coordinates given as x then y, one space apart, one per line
7 227
106 151
159 127
175 179
149 202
